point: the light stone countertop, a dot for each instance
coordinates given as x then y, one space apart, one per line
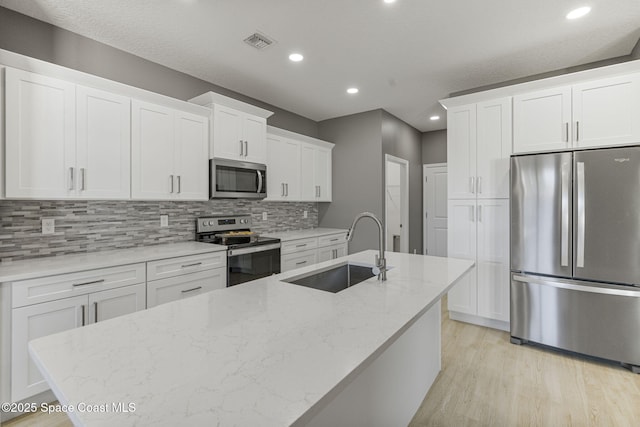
305 234
41 267
263 353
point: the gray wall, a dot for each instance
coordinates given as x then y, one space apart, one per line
37 39
357 175
402 140
434 147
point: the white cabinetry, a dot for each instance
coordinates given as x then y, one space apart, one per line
53 304
479 145
65 141
315 167
238 135
591 114
307 251
169 153
283 166
181 277
480 231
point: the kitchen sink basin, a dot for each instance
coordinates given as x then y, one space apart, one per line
333 279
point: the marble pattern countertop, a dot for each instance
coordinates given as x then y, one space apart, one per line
41 267
305 234
263 353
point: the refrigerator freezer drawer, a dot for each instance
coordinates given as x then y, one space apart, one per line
601 321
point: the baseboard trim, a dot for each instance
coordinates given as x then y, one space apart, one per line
480 321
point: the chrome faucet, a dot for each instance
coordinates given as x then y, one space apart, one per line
381 262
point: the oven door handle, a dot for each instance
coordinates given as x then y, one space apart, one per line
252 249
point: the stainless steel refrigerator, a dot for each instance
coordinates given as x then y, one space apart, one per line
575 252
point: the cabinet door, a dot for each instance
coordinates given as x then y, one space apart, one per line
191 158
462 244
175 288
606 112
227 133
461 152
254 132
117 302
322 171
492 264
493 148
308 189
277 165
152 151
541 120
40 136
298 260
103 144
33 322
332 252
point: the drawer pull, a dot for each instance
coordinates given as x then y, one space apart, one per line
88 283
301 246
192 265
191 290
334 240
95 312
83 319
301 262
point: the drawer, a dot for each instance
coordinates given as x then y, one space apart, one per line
50 288
332 239
294 246
178 266
298 260
174 288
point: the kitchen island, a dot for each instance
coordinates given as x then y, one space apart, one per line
266 353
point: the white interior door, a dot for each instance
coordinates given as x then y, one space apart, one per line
396 204
435 209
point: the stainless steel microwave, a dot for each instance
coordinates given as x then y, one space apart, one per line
233 179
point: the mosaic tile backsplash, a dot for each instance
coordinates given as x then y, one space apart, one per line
89 226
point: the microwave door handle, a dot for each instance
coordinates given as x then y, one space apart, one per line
259 181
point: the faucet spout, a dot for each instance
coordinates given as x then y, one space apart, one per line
381 262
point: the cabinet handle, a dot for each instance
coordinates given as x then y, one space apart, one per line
83 177
479 184
70 178
566 131
171 180
472 213
241 149
95 312
191 290
246 148
286 186
334 240
301 246
472 184
479 213
179 183
191 265
282 192
83 315
577 131
301 262
88 283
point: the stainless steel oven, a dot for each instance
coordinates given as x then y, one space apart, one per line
232 179
249 255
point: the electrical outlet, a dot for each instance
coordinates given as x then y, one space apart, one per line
264 216
164 220
48 225
305 214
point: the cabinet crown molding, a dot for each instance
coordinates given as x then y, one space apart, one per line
209 98
298 137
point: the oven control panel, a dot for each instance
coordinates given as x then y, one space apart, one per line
223 223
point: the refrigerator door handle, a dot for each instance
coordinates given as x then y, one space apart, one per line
564 227
581 215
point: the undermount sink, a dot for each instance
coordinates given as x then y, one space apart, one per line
333 279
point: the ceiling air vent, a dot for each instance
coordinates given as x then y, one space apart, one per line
259 41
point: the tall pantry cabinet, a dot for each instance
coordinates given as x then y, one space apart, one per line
479 145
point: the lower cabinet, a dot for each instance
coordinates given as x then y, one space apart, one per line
174 288
311 250
479 230
38 320
298 260
332 252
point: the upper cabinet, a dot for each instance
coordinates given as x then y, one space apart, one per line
592 114
64 140
299 167
479 145
169 153
238 129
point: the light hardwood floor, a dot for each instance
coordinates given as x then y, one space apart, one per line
486 381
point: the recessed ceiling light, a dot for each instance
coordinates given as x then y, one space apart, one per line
296 57
579 12
352 90
389 1
434 118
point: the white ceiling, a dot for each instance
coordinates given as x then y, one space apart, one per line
403 56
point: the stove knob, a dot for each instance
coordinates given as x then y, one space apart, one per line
210 222
204 223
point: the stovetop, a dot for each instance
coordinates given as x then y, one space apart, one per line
232 231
